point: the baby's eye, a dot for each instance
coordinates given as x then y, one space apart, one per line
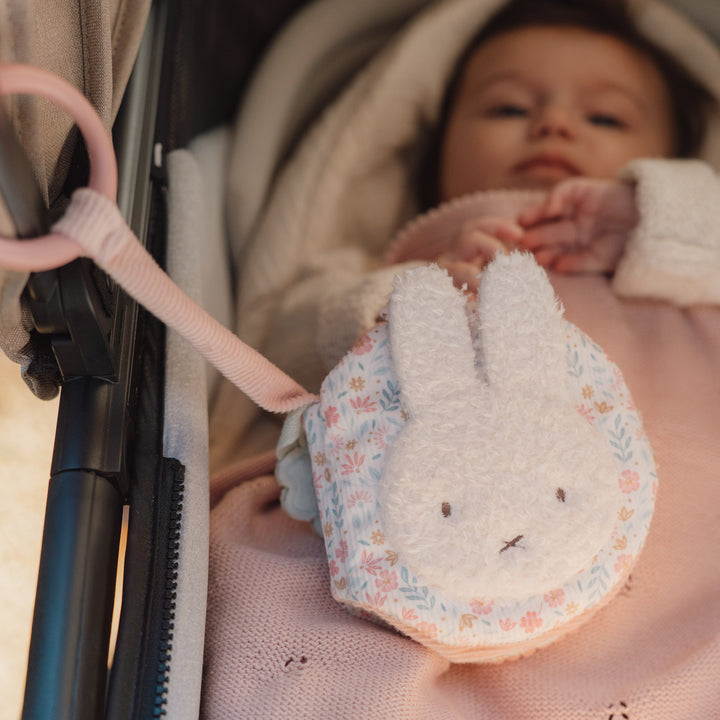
506 110
605 120
560 494
446 509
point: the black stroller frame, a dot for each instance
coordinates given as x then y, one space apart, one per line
103 458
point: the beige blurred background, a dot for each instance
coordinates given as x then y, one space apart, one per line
27 429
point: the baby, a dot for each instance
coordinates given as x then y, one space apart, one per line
558 97
549 102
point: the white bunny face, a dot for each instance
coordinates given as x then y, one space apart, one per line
496 486
487 516
462 495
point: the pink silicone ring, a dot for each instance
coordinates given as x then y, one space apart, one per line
53 250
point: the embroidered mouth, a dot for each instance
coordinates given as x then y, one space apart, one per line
513 543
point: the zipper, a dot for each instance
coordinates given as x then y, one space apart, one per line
170 585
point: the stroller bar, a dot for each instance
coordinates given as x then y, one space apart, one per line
67 666
93 328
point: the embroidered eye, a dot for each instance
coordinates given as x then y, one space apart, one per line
560 494
446 509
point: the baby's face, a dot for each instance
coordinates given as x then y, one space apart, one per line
537 105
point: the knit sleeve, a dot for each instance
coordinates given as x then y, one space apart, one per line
332 303
674 252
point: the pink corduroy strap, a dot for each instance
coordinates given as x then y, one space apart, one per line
95 223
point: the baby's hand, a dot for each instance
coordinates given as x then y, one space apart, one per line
582 226
475 246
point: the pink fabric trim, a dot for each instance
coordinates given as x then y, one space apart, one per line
95 223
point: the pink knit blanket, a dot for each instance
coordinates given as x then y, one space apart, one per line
279 647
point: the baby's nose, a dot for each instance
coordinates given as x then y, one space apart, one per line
554 119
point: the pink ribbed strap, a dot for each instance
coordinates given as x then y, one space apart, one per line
94 222
51 251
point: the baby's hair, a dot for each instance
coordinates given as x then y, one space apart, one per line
691 103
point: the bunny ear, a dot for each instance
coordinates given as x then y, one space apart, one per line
430 339
521 333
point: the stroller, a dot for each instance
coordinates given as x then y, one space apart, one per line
132 426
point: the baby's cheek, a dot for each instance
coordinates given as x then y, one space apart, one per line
473 164
609 160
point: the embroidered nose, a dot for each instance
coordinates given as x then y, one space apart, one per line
512 543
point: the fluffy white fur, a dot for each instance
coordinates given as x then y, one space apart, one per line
675 246
494 437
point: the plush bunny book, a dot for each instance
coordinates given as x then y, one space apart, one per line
479 474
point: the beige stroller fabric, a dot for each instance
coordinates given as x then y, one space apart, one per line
92 44
277 645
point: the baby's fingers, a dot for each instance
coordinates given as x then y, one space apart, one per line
463 274
547 257
474 244
486 246
498 227
534 215
563 201
558 204
561 233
